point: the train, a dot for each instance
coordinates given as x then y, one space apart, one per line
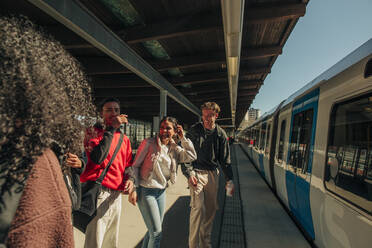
314 150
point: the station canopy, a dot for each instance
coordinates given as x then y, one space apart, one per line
193 51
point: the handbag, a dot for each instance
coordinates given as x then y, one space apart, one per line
72 181
71 176
90 191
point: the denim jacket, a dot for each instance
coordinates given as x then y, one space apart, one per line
146 164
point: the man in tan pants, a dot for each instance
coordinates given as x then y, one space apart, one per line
212 147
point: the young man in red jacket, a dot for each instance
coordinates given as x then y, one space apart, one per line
100 144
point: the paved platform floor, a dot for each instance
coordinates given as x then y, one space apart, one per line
266 223
175 229
253 217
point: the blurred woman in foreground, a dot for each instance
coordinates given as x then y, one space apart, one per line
42 92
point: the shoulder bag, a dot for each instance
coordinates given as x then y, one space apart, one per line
89 194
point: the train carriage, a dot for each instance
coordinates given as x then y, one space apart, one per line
315 152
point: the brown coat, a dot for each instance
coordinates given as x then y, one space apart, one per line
43 216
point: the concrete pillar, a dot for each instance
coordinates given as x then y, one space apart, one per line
155 125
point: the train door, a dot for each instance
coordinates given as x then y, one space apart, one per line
300 156
267 154
279 162
262 148
274 131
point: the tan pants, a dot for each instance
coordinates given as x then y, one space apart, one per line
103 230
203 209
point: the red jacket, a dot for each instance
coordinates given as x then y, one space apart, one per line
99 147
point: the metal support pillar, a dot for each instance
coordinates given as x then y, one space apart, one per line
163 104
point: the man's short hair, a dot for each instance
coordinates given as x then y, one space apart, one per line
106 100
211 106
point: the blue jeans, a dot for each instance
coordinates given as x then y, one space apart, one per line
151 203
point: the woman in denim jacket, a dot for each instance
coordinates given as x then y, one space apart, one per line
155 164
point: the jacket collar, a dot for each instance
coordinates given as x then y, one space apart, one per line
100 125
201 128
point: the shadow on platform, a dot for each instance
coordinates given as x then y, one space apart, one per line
175 225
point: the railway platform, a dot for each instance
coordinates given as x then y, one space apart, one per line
253 217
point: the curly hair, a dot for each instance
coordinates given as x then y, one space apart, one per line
44 97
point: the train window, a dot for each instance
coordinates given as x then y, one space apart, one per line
257 136
368 69
348 171
300 140
262 136
251 137
281 141
267 148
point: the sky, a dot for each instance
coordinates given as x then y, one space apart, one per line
330 30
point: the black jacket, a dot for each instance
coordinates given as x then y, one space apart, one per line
218 156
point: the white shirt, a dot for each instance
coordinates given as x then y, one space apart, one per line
156 164
161 169
165 161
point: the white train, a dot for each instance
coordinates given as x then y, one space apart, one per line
315 151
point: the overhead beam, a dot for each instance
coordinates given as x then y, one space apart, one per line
118 84
258 53
220 98
103 65
244 74
200 78
193 95
203 92
176 81
206 22
128 102
120 81
274 13
87 26
130 81
249 84
245 101
213 57
136 112
154 92
248 71
151 92
242 93
224 90
170 28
